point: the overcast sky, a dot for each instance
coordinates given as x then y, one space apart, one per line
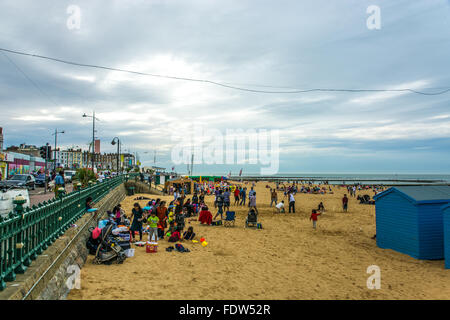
252 44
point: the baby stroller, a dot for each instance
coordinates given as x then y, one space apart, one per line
109 250
252 220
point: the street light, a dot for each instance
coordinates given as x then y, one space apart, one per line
113 142
56 140
93 135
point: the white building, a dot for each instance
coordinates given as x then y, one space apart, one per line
70 158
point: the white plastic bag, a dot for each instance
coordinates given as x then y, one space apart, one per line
129 253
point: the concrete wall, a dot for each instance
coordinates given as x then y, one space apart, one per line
52 265
141 187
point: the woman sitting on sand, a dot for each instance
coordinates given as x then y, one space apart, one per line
205 216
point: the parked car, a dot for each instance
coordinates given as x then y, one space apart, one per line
68 175
40 180
19 181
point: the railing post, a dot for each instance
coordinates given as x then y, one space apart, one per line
9 254
2 257
21 268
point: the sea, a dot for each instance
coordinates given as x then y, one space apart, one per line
350 178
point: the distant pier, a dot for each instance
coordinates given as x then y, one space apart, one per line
334 180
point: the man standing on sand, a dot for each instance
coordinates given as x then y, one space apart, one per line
243 196
273 197
291 202
344 202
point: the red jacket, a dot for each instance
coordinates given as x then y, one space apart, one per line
314 216
205 217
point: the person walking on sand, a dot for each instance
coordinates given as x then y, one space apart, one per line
226 199
219 203
291 202
243 195
321 207
236 196
313 217
273 197
345 203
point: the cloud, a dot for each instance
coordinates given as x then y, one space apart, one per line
300 45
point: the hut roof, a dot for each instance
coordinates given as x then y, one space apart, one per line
420 194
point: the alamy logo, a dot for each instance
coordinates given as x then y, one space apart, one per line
374 281
374 20
74 280
210 146
74 20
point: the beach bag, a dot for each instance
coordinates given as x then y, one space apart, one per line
152 247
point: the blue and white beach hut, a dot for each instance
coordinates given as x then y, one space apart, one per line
409 220
446 219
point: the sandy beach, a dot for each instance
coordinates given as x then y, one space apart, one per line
286 259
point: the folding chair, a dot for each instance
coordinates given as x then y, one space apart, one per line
230 219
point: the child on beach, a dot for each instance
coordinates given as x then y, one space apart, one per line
313 217
321 207
153 221
252 201
171 229
345 203
189 234
280 207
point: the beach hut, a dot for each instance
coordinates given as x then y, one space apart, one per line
409 220
446 220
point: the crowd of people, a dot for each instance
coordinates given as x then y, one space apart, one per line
170 221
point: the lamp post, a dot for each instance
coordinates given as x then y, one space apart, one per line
93 135
113 142
56 141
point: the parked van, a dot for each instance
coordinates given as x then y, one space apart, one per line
68 175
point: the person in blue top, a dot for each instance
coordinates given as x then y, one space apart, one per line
59 182
243 196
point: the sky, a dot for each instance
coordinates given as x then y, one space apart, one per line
261 45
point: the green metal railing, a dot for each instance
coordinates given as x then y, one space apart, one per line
26 233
